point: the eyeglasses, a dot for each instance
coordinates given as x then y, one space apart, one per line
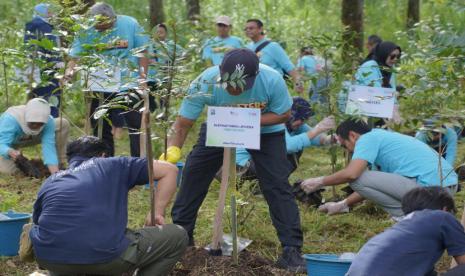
394 56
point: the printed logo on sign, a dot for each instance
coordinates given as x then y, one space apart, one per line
212 112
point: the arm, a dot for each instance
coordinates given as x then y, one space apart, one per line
166 175
349 174
9 130
180 130
296 77
451 150
49 153
460 259
144 65
271 118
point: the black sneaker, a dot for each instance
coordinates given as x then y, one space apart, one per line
292 260
191 241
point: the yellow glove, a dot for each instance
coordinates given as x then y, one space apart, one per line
174 154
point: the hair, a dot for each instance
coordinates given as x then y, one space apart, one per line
433 198
87 146
374 39
102 8
356 125
307 50
161 25
258 22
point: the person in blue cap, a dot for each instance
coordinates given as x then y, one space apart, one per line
298 135
263 88
442 139
39 28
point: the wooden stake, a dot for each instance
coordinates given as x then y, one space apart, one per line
232 172
100 120
149 152
218 223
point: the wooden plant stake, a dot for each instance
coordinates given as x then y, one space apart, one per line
232 172
218 223
148 152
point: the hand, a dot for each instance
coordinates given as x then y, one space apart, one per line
14 154
326 124
329 139
312 184
333 208
159 220
396 118
173 155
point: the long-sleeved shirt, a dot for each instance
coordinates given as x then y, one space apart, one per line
296 141
12 134
449 141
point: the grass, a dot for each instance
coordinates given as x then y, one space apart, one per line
322 233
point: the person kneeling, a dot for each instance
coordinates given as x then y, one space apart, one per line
81 214
415 244
31 124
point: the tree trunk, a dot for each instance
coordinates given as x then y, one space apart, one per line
413 13
193 10
352 20
157 15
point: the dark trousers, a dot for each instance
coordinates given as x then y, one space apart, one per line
47 91
272 170
117 117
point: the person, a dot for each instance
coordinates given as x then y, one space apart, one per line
163 50
443 140
402 163
270 52
39 28
121 35
215 48
81 214
32 124
370 45
264 88
378 71
414 245
298 136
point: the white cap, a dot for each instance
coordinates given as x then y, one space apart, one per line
37 111
223 19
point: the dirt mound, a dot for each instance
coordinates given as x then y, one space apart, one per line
32 168
197 261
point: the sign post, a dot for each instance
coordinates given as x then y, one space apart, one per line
230 127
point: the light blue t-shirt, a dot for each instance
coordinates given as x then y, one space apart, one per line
215 48
11 134
369 74
296 141
404 155
449 141
125 30
269 93
273 55
309 64
161 56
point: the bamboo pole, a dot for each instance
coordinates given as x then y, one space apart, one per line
218 222
149 153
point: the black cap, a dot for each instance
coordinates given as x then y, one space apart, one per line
242 59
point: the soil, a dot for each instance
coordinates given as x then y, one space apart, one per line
197 261
32 168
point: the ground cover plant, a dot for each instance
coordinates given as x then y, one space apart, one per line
433 73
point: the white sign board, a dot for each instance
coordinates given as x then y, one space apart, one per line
371 101
104 80
232 127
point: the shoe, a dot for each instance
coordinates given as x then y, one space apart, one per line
292 260
191 241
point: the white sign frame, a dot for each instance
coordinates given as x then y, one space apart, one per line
107 80
371 101
233 127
